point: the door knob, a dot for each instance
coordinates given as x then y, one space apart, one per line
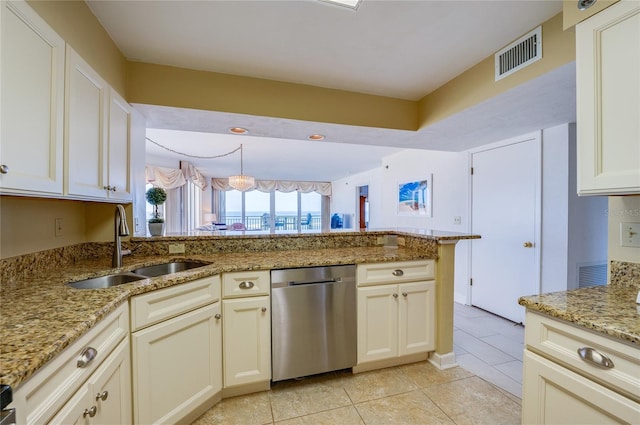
528 244
4 169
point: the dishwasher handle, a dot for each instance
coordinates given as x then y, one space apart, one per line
314 282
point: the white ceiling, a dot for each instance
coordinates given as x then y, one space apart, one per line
401 49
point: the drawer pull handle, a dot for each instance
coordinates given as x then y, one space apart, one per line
398 273
246 284
87 356
102 396
90 412
592 356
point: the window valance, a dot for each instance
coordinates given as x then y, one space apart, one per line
323 188
171 178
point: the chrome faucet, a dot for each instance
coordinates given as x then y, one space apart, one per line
121 229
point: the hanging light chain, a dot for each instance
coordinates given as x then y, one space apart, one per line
200 157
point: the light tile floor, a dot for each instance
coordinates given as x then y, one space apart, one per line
485 390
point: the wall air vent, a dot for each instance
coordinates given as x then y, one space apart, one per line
592 274
519 54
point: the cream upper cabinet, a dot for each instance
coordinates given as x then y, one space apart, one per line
32 102
97 135
119 171
608 101
85 129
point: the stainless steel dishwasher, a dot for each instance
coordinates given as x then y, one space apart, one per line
313 320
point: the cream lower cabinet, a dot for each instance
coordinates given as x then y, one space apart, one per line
395 320
176 352
246 341
608 101
105 399
562 386
555 395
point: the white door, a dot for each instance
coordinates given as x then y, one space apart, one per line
506 212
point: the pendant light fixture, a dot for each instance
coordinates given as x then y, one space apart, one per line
242 182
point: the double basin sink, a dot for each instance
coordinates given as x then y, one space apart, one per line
137 274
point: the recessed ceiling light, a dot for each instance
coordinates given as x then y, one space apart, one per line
351 4
316 137
238 130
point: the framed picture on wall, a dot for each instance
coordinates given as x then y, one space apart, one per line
415 197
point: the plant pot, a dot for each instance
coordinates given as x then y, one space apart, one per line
156 229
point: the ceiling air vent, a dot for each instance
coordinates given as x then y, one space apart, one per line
519 54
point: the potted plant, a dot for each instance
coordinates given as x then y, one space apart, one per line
156 196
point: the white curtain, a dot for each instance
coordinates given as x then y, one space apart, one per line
281 185
171 178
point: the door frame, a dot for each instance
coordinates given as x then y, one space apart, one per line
537 243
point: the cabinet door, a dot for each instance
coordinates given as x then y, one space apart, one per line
608 100
555 395
85 130
246 340
111 381
175 364
119 175
111 388
31 102
416 318
377 322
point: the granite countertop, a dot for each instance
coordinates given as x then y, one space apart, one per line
44 316
609 309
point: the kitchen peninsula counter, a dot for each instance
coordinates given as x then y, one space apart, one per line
42 315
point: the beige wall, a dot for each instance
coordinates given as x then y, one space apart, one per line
622 209
28 224
478 83
78 26
186 88
571 15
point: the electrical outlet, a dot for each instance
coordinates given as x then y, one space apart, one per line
457 219
59 229
176 248
136 224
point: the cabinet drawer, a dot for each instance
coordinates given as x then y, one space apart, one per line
49 389
164 304
560 342
245 284
405 271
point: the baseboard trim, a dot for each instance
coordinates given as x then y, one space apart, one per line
443 361
395 361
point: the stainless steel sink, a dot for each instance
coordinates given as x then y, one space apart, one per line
168 268
106 281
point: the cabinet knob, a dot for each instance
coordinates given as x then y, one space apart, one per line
404 294
106 187
528 244
90 412
246 284
395 295
86 356
264 309
102 396
113 188
218 316
398 273
4 169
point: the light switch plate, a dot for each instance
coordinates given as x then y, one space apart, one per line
630 234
